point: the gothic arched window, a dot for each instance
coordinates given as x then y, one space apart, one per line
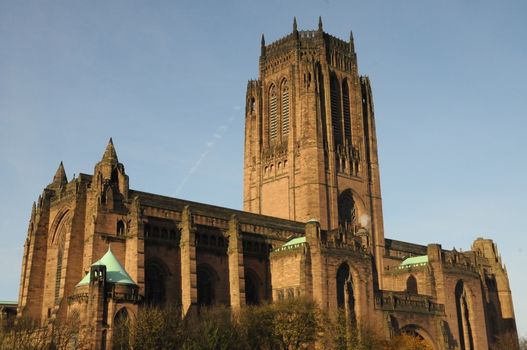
411 285
120 331
347 210
252 295
346 110
345 293
273 113
120 317
155 286
58 273
206 285
120 228
285 109
463 317
335 110
58 241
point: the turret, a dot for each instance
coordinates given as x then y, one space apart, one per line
110 178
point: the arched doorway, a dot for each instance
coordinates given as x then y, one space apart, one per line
463 311
345 294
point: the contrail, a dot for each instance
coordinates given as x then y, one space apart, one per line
216 136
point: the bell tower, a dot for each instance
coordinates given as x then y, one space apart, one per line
310 144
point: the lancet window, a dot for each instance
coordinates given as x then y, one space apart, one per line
346 110
273 113
345 294
466 341
285 108
336 119
279 112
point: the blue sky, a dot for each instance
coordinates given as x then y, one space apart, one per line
166 80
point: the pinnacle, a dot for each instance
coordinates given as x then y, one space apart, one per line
109 153
60 175
320 23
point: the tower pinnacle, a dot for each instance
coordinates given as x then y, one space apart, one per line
320 23
263 45
60 177
110 154
295 27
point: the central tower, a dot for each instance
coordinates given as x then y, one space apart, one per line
310 144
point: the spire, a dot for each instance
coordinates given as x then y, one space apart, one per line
319 23
352 42
263 45
295 27
109 153
60 177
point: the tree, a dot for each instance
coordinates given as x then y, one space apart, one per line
27 334
506 341
295 323
408 342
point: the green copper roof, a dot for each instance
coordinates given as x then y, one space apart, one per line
115 273
8 302
297 240
415 260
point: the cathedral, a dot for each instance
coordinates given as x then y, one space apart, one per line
311 225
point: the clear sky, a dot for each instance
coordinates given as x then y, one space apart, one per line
167 79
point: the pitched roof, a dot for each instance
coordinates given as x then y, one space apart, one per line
115 273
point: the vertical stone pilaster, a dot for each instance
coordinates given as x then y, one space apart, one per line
236 266
189 281
135 246
318 266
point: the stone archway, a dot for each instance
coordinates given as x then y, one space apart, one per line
423 340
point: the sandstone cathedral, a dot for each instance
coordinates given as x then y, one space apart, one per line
311 225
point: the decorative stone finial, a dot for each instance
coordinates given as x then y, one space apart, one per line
295 27
320 23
